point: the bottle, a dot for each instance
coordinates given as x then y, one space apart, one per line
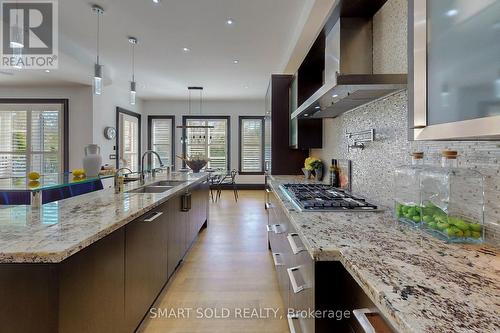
334 174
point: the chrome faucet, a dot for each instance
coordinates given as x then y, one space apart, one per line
118 186
148 152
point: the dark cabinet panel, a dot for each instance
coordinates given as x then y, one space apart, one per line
91 284
145 264
283 159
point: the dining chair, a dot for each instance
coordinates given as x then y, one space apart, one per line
228 180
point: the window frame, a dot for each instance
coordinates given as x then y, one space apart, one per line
150 137
119 111
228 141
64 102
240 142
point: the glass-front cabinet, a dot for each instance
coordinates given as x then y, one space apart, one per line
455 66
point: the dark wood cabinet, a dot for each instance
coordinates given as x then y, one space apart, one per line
146 270
280 158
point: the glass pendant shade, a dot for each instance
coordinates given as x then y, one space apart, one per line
497 86
97 79
133 93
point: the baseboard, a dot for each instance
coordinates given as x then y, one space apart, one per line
243 187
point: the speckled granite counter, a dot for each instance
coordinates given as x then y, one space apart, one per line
419 283
57 230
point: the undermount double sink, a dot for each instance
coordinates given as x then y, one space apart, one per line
158 187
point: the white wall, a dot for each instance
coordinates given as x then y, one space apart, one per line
80 113
104 107
232 108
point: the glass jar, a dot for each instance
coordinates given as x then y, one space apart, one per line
407 201
453 201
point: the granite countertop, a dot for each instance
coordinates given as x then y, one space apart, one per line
57 230
420 283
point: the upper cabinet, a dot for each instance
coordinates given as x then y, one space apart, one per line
454 68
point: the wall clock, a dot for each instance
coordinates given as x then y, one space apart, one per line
110 133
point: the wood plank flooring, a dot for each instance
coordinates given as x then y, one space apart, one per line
229 268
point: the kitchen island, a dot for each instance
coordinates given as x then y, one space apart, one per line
417 282
96 262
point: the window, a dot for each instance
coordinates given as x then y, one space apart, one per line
161 138
212 143
128 139
32 138
252 144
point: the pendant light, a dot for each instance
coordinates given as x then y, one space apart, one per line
97 82
133 84
190 90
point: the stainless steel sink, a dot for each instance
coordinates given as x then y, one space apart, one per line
171 183
151 189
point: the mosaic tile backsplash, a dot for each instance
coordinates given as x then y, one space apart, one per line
373 167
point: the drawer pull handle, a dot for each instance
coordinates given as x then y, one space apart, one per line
362 318
269 228
291 325
277 228
154 217
268 190
296 288
295 249
268 205
276 257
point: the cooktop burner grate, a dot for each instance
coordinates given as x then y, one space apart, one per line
321 197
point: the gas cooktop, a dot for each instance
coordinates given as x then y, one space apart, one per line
326 198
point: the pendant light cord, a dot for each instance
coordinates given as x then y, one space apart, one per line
133 62
98 34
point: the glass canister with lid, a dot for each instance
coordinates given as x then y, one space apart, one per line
407 200
453 201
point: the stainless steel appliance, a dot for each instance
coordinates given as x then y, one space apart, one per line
325 198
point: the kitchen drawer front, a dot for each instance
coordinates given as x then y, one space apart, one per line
301 295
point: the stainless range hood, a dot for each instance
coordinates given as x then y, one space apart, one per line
349 79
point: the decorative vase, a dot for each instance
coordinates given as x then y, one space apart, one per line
92 161
318 174
307 173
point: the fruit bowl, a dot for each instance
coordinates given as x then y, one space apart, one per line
196 164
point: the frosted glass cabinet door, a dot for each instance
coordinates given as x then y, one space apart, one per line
463 60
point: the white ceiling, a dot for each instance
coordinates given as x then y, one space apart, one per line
260 39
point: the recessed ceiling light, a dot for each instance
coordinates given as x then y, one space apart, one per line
335 96
452 12
236 61
47 71
156 2
186 49
229 21
246 87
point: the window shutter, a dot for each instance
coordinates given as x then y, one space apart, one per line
251 145
208 142
161 136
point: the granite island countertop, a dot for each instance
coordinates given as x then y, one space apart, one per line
57 230
420 283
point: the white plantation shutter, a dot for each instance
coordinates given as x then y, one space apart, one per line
251 145
30 139
161 140
129 142
208 142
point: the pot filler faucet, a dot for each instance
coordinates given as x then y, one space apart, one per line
149 152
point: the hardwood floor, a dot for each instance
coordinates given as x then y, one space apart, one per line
229 270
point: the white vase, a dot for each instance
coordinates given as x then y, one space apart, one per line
92 161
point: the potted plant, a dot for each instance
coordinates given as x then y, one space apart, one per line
313 164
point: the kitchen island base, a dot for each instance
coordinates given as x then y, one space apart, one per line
110 285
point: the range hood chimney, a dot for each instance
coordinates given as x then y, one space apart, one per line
349 79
